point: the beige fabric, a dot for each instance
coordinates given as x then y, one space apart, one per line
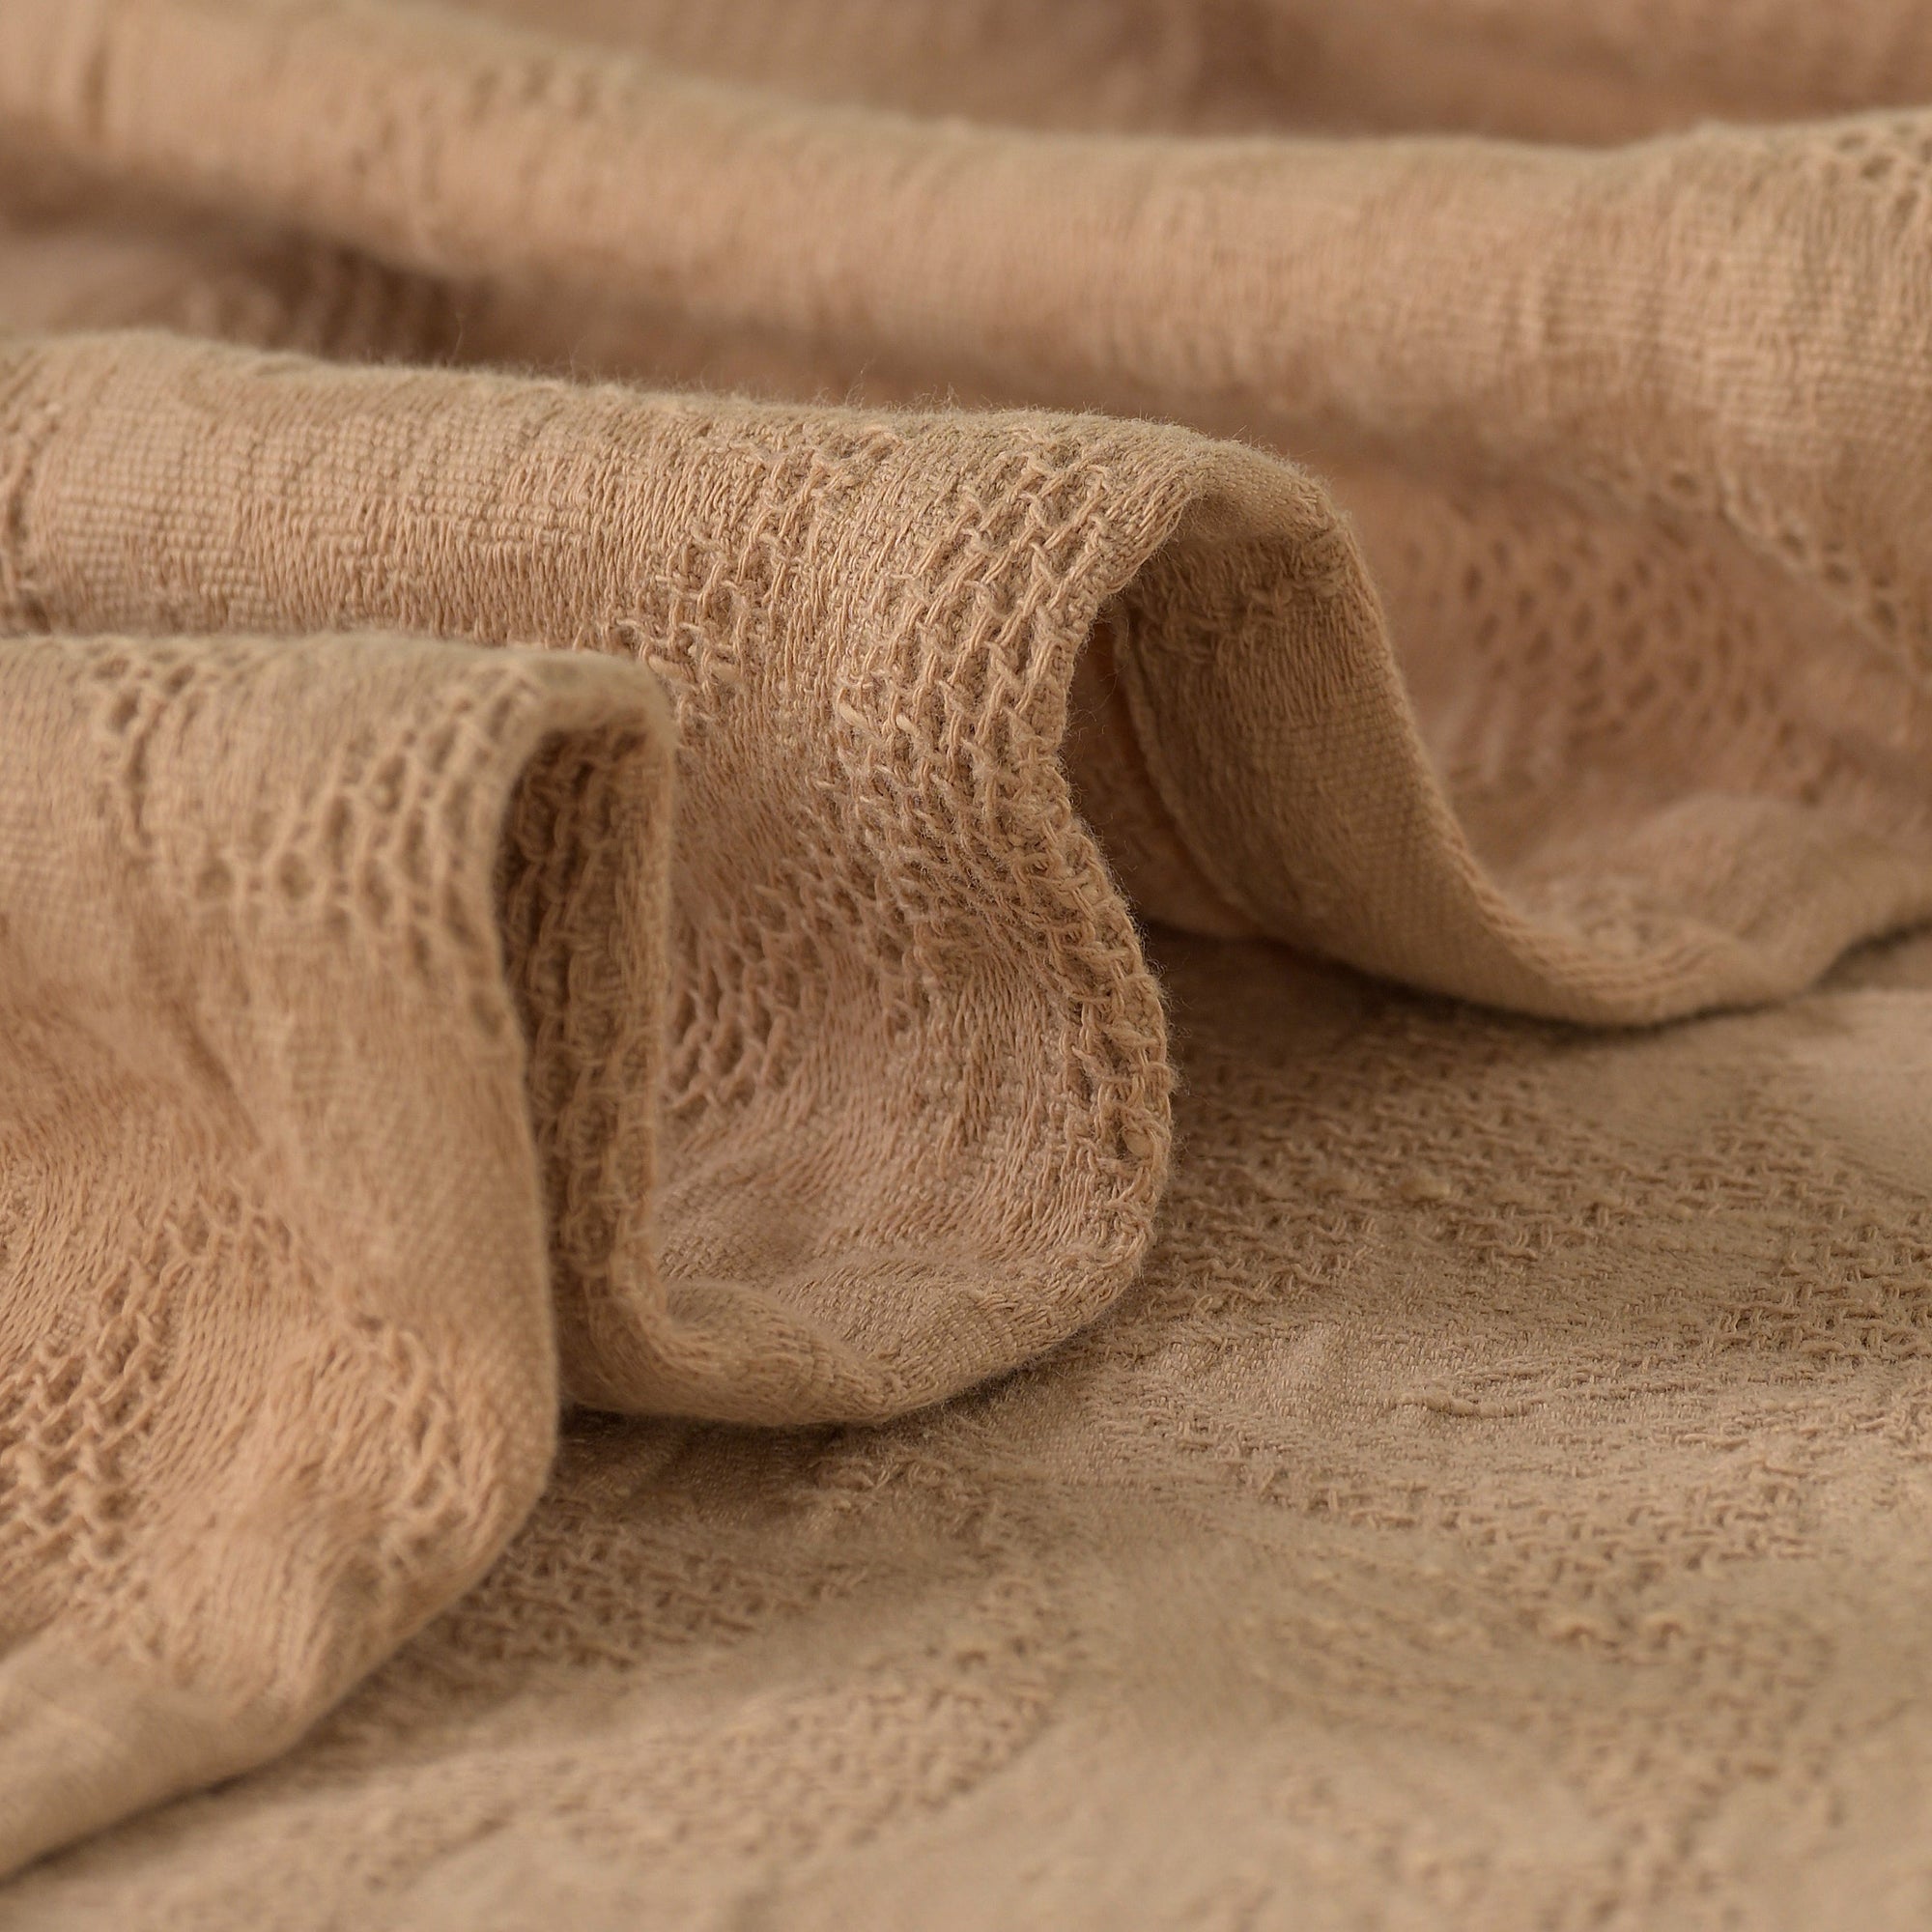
1552 70
1454 1524
1503 1502
280 1371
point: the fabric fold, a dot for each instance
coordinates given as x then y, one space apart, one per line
1546 70
1636 488
277 1367
1649 318
390 1064
916 1086
871 624
915 1078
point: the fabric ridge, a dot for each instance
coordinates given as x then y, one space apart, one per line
924 924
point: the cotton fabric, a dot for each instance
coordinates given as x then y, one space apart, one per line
731 762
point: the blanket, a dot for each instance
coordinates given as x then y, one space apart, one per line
957 967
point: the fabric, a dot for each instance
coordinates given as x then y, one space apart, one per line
1153 1098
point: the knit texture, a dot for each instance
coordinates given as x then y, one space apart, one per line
281 1367
530 893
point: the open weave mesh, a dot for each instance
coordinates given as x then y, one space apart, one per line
521 893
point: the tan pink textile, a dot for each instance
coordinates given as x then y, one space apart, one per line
1051 801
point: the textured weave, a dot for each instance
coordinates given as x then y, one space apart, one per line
524 892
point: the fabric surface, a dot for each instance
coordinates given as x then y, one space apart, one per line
911 963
